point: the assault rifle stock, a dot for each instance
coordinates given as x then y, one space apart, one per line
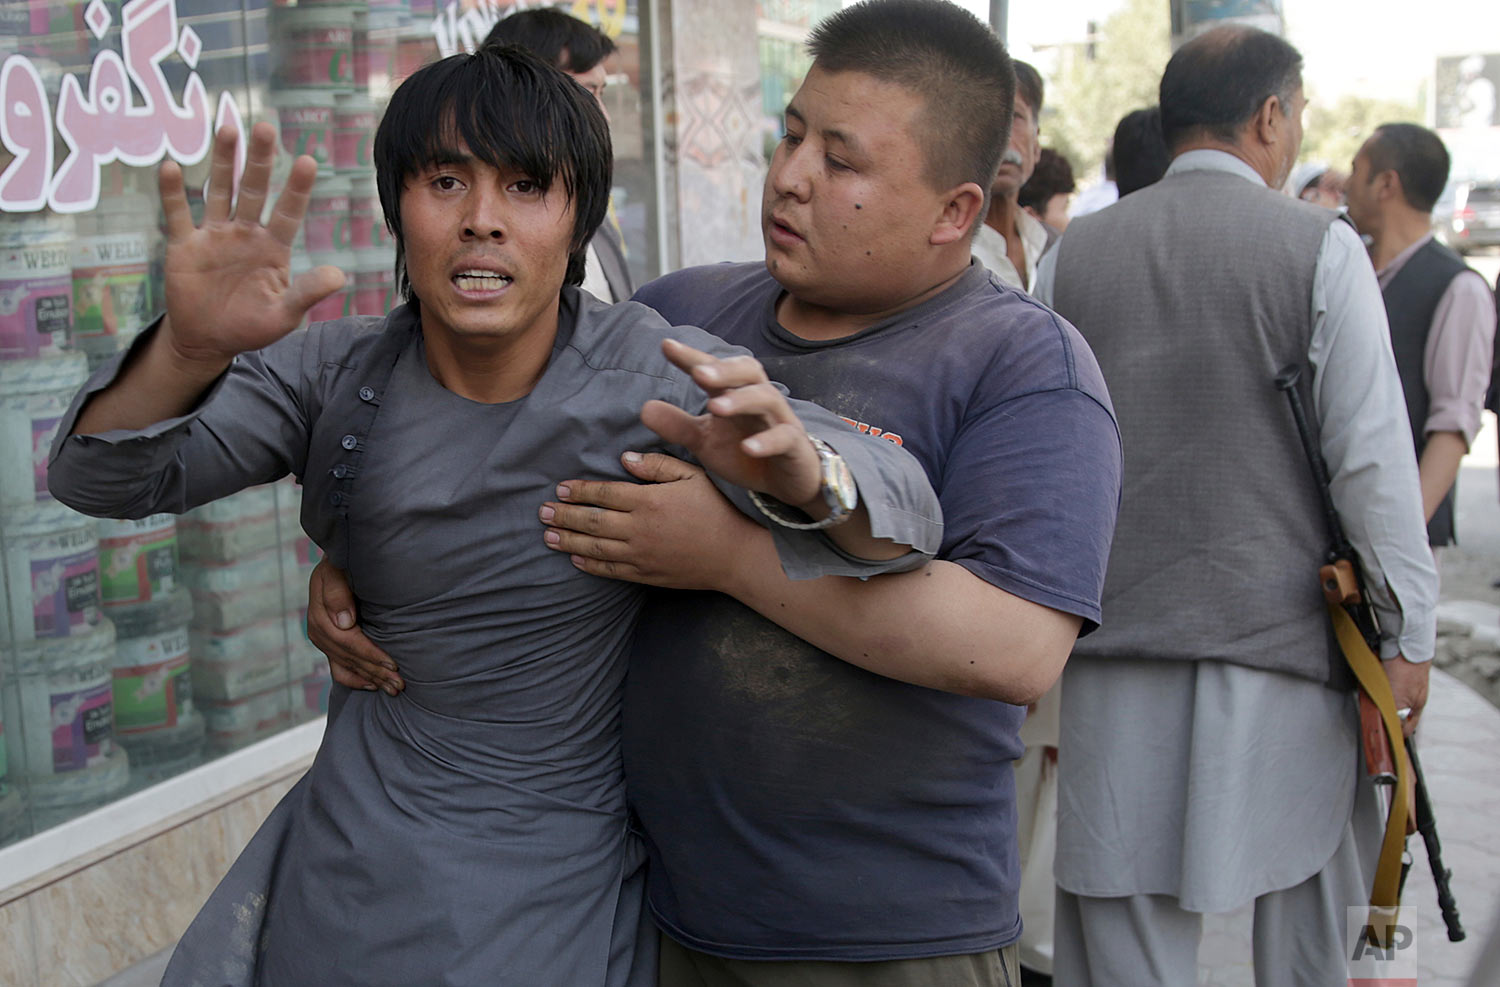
1342 581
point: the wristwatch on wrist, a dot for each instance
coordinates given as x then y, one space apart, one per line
835 484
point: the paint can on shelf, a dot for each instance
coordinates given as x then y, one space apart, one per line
305 119
111 288
34 396
229 665
354 132
137 559
231 527
166 611
61 704
155 717
51 558
313 47
374 283
326 228
58 798
367 231
152 689
161 754
36 285
341 302
227 595
243 721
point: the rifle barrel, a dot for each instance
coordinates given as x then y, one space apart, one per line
1427 826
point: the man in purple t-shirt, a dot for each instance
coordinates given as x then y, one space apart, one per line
822 769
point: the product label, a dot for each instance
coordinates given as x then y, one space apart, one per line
319 57
307 130
82 727
152 688
65 594
111 285
138 568
327 225
354 141
35 313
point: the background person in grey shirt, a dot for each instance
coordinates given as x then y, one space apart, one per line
471 830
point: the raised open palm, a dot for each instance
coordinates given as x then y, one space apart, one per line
228 281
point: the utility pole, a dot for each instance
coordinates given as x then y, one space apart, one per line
999 15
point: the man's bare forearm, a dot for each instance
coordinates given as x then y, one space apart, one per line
1438 468
853 536
156 384
940 626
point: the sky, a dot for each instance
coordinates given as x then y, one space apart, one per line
1380 48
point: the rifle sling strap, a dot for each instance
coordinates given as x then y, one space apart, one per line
1385 896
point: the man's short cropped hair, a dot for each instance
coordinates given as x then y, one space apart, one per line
1030 88
1141 155
1417 156
1218 81
555 37
1053 175
512 110
943 54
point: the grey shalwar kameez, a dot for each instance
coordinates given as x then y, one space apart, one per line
1191 785
471 830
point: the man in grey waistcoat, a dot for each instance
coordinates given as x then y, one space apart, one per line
1209 753
1441 313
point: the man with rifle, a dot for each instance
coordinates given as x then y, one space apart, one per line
1209 752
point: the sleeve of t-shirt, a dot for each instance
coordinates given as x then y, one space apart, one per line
1030 494
250 427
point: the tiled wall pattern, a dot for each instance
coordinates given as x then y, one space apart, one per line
711 96
84 927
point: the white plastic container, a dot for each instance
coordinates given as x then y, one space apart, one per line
36 285
34 396
62 706
137 559
152 688
305 120
113 298
51 557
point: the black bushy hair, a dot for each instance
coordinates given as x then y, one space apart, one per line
512 110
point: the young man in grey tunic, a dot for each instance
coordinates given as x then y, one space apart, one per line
472 830
1209 753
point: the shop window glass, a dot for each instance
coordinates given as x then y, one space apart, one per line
133 650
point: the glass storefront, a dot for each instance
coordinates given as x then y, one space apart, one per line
782 27
131 651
